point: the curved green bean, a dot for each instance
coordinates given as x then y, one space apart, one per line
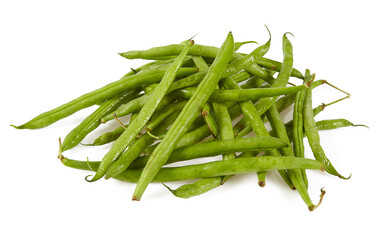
96 96
313 135
74 137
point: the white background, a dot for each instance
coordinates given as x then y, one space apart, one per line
52 52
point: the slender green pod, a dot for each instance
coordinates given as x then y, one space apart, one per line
205 170
246 61
240 44
313 136
108 91
74 137
186 117
336 123
197 188
217 147
143 117
276 66
242 95
298 123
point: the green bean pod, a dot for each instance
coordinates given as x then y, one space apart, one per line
242 95
217 147
313 135
74 137
274 65
205 170
246 61
197 188
96 96
186 117
298 123
335 123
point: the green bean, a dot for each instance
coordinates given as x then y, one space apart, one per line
144 115
335 123
298 124
186 117
242 95
217 147
327 124
137 148
210 120
74 137
91 98
313 135
225 125
197 188
274 65
246 61
171 50
164 64
295 175
204 170
240 44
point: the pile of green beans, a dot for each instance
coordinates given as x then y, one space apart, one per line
192 101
